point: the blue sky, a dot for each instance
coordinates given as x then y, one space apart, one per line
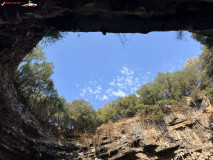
100 68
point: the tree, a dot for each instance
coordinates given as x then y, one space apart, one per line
52 37
35 87
125 106
82 116
207 55
165 82
204 40
102 113
207 62
197 75
150 93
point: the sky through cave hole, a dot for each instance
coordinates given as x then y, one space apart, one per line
101 68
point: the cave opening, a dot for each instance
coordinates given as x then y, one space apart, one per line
108 55
92 73
24 136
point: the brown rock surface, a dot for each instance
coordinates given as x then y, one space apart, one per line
21 137
180 135
20 25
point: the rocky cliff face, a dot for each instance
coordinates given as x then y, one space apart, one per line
21 137
186 134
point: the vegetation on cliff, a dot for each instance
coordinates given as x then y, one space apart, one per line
36 89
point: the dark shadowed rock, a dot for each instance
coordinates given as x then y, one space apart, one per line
21 136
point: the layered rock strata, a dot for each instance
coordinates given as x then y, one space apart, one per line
180 135
21 137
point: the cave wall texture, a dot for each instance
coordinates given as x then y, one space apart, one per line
181 135
21 29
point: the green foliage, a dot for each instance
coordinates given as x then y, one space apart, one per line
166 89
166 102
112 115
150 93
150 112
82 116
103 114
53 37
207 56
36 88
34 85
204 40
209 90
125 106
207 61
156 113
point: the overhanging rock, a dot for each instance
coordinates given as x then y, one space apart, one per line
22 28
20 25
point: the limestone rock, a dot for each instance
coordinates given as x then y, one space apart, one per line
179 135
22 137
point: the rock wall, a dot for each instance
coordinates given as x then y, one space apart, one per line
181 135
21 137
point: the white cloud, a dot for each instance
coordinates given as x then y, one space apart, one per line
112 83
149 72
109 90
126 82
145 79
96 90
134 89
102 98
93 82
119 79
129 81
119 93
90 90
127 71
105 97
83 92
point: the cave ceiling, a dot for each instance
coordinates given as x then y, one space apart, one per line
22 28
